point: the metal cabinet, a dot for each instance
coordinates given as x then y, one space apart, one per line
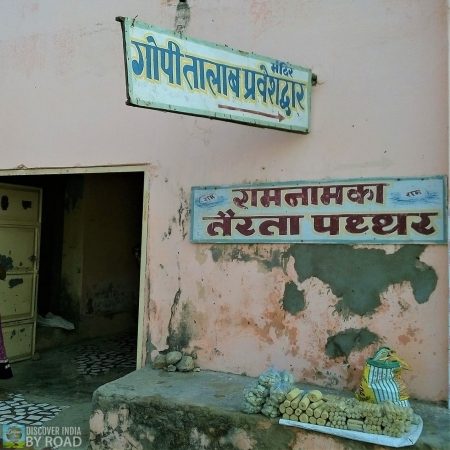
20 223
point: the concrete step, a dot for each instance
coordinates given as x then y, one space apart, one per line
153 409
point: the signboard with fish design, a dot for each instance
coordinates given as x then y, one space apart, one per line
383 210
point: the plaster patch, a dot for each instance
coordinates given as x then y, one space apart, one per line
358 277
345 342
293 300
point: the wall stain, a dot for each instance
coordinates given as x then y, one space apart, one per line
68 305
182 17
269 258
359 276
345 342
178 337
4 202
272 325
404 339
260 11
403 306
200 254
183 213
74 192
200 289
293 300
167 233
109 298
150 347
13 282
6 263
327 378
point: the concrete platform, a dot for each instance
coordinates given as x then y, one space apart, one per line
152 409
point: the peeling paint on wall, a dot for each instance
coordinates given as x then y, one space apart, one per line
347 341
6 263
13 282
269 259
293 300
359 276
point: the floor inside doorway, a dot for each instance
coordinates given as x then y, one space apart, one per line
56 390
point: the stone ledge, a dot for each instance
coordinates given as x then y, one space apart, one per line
156 410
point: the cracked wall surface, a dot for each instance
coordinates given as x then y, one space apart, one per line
316 310
244 308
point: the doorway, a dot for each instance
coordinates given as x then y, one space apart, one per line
92 265
90 252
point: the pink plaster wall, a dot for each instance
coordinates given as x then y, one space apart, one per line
380 109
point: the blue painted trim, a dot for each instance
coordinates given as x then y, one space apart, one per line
322 181
324 241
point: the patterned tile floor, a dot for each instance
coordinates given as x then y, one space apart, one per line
93 359
17 410
119 353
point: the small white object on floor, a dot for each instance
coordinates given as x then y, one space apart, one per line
54 321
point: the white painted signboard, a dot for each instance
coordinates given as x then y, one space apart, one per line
381 210
169 72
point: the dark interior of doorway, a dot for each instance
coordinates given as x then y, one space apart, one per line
89 254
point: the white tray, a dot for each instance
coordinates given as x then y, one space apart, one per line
406 440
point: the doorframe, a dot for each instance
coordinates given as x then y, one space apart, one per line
146 170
